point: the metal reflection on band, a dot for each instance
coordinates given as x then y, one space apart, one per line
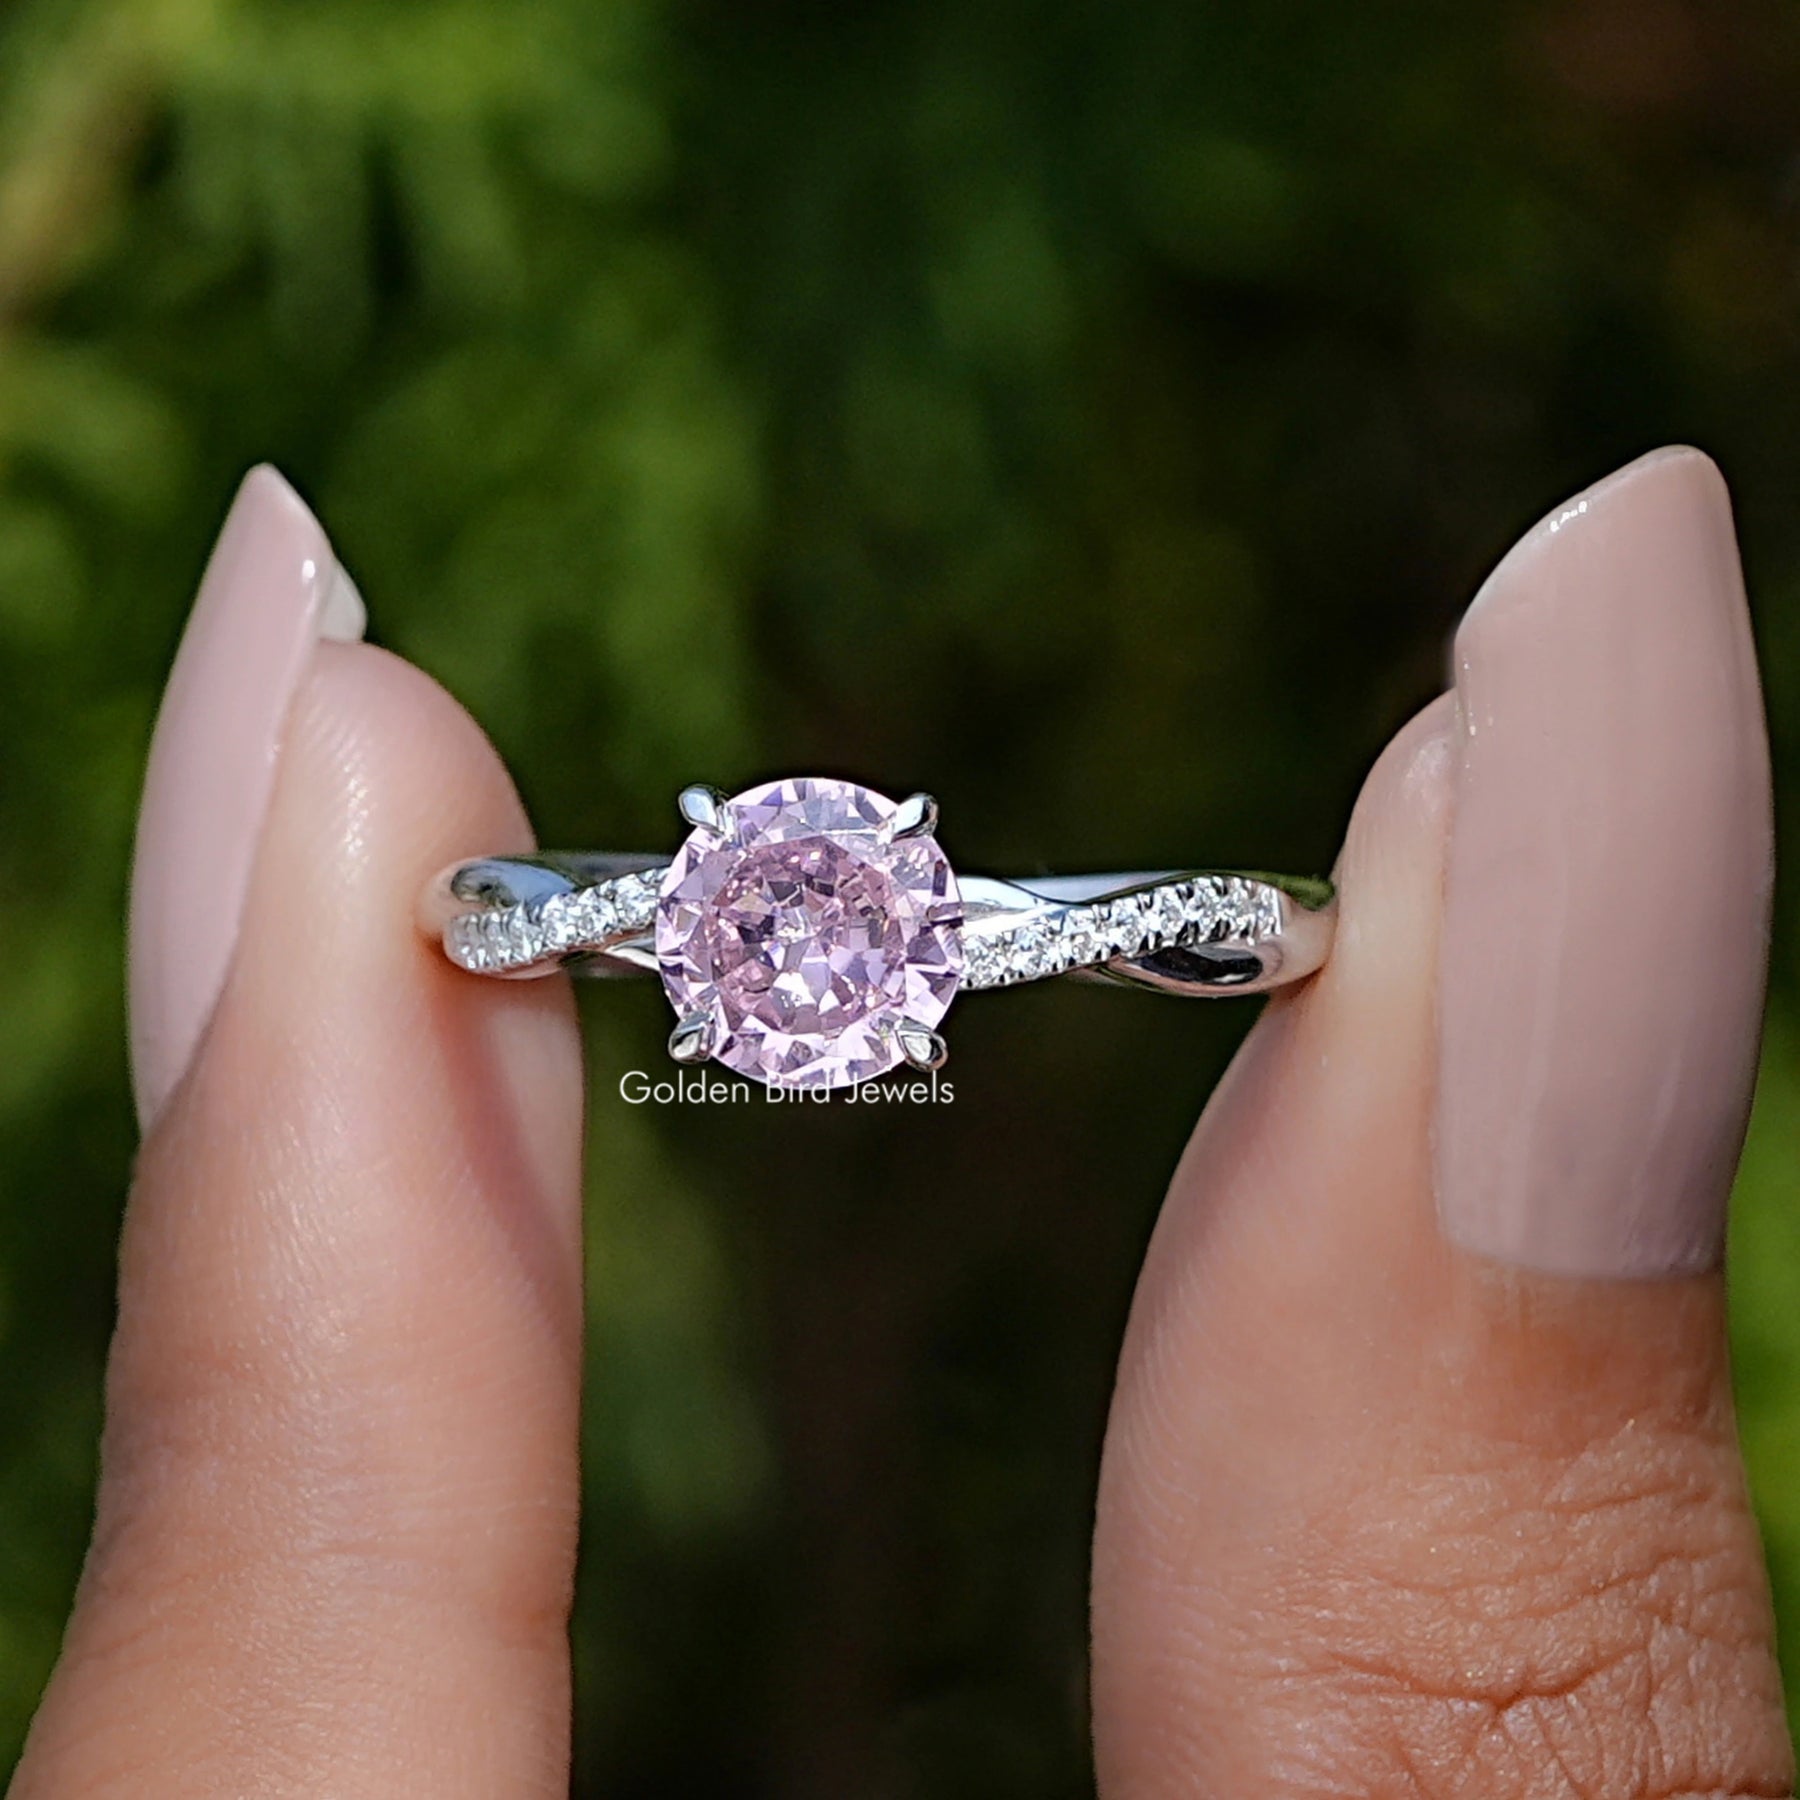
809 931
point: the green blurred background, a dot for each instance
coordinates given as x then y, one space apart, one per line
1096 415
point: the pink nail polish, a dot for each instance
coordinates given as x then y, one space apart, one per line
271 591
1607 895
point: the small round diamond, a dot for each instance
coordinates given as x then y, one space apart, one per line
807 932
1084 942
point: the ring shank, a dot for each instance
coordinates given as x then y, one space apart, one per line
1188 932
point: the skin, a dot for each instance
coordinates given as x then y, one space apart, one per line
1378 1516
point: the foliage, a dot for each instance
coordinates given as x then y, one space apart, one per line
1059 393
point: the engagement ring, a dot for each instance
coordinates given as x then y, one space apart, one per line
810 933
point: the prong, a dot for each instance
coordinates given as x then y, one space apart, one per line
924 1048
691 1040
915 816
703 807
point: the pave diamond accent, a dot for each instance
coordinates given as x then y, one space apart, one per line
510 939
1205 909
1210 909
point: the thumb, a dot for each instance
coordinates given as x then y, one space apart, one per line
337 1512
1421 1475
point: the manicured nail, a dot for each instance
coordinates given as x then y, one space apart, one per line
272 590
1607 897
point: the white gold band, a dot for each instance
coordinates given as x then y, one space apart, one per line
811 932
1185 932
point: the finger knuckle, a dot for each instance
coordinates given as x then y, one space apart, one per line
1506 1624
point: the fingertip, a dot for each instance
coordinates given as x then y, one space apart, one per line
385 778
1360 1486
1407 790
343 1393
1389 874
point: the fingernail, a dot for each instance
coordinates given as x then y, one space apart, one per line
271 591
1607 895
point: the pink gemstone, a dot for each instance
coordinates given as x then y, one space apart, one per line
808 934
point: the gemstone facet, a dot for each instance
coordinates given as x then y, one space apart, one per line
809 933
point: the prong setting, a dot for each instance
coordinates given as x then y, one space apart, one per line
810 933
915 816
924 1048
691 1040
703 807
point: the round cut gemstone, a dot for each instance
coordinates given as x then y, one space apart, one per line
807 933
